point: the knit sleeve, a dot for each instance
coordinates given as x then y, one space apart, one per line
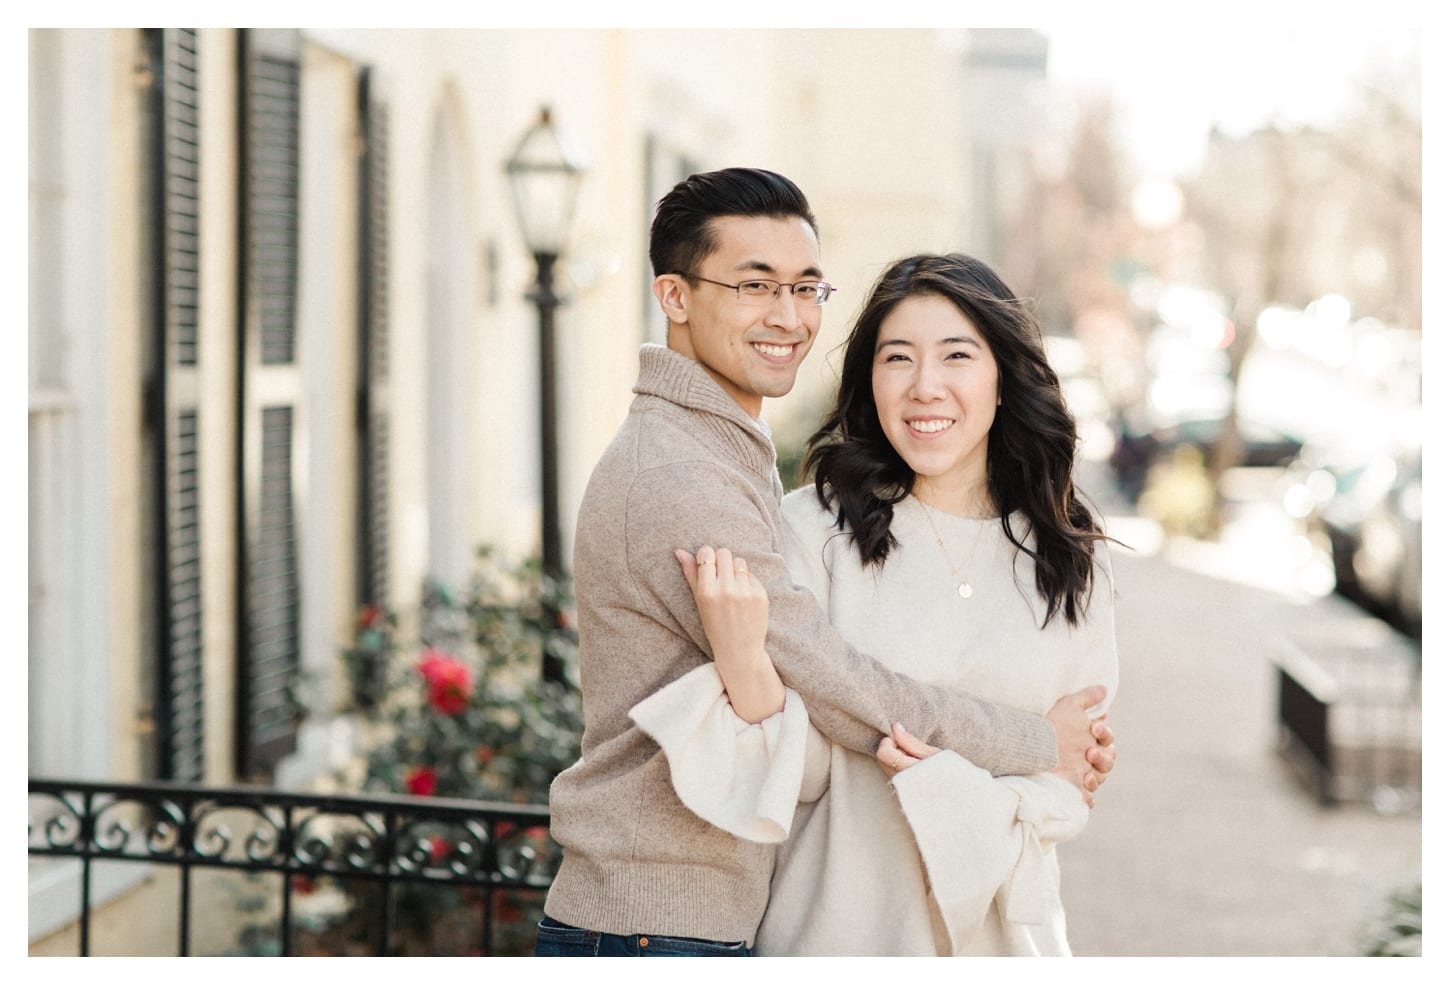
851 698
983 838
742 778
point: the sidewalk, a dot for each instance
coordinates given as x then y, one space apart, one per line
1203 842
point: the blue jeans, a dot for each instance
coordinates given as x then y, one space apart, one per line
559 940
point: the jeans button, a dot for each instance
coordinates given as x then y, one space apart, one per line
644 942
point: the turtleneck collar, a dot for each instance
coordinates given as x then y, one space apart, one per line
667 374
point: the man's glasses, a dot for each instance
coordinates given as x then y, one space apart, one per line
761 291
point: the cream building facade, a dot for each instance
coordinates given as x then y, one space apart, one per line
281 360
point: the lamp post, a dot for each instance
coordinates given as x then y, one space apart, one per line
544 177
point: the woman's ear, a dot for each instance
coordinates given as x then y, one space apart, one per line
670 293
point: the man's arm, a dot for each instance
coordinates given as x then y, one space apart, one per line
852 698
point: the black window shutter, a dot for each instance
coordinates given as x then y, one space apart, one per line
174 129
372 406
270 388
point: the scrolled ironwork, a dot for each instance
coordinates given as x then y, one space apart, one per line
211 842
524 855
111 834
423 845
165 834
339 842
62 830
58 818
234 831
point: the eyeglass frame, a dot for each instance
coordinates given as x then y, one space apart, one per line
829 290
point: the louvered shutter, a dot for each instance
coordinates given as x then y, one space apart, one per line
372 416
174 166
271 386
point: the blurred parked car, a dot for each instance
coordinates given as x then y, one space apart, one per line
1138 448
1189 400
1367 514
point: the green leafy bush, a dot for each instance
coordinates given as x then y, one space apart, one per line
1399 930
486 704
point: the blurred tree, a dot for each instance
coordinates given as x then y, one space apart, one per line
1075 230
1283 215
1289 215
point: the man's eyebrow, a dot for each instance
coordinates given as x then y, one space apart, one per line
760 266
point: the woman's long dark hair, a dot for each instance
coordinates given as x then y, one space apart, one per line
1030 447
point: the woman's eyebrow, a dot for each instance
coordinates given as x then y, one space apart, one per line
951 340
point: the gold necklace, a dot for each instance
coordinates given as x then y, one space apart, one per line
964 587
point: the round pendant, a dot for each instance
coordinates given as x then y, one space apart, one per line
964 590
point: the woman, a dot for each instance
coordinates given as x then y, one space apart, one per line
942 533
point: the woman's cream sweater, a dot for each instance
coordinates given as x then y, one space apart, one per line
945 858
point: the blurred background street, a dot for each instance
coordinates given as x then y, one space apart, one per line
1206 841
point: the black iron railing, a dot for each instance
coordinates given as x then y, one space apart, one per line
395 844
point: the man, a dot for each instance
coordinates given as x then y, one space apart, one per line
738 276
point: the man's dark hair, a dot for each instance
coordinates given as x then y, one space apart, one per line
681 235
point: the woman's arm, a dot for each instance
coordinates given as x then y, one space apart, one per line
735 612
738 743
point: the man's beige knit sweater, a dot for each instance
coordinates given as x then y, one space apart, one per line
689 467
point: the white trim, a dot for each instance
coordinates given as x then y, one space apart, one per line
452 386
70 455
325 466
71 640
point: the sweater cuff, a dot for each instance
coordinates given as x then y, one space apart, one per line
742 778
983 839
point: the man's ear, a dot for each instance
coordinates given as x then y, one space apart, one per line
670 293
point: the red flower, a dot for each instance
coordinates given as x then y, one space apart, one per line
439 848
422 781
449 683
484 754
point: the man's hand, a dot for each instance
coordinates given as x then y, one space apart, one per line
1104 755
1085 750
901 749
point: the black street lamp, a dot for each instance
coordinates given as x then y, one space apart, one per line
544 176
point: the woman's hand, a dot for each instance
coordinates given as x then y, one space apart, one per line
735 612
900 750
